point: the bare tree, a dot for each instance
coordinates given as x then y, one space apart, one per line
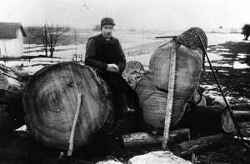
47 35
45 39
51 36
37 35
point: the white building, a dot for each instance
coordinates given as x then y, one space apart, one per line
11 39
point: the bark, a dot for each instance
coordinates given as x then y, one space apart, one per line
192 146
143 138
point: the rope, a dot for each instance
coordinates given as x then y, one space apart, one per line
73 129
228 108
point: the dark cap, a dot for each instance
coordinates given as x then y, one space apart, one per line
107 21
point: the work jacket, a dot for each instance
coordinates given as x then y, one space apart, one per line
100 52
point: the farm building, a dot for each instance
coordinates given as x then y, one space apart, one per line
11 39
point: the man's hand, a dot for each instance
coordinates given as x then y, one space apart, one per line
112 68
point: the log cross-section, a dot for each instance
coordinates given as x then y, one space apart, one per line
50 103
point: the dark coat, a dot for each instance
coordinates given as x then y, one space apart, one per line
100 52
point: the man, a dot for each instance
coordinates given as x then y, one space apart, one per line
104 53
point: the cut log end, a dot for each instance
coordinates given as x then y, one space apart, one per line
50 101
142 138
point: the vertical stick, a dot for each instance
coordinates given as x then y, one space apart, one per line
169 106
72 133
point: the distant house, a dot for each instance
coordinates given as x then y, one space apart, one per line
11 39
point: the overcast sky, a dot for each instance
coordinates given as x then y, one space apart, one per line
141 14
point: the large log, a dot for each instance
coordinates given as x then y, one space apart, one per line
143 138
50 103
240 111
189 147
11 111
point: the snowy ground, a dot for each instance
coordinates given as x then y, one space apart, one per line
230 59
139 46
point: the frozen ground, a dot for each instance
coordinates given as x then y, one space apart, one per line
226 56
230 57
137 46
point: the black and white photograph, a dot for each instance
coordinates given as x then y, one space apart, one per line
125 82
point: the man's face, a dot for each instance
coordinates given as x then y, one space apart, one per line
107 30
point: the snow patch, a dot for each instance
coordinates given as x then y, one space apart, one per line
238 65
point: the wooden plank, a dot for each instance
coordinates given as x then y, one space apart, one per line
171 84
189 147
143 138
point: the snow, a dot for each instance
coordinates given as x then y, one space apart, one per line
217 38
242 56
22 128
158 157
214 57
223 49
13 82
219 65
134 43
238 65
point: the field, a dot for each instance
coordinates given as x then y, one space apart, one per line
228 53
